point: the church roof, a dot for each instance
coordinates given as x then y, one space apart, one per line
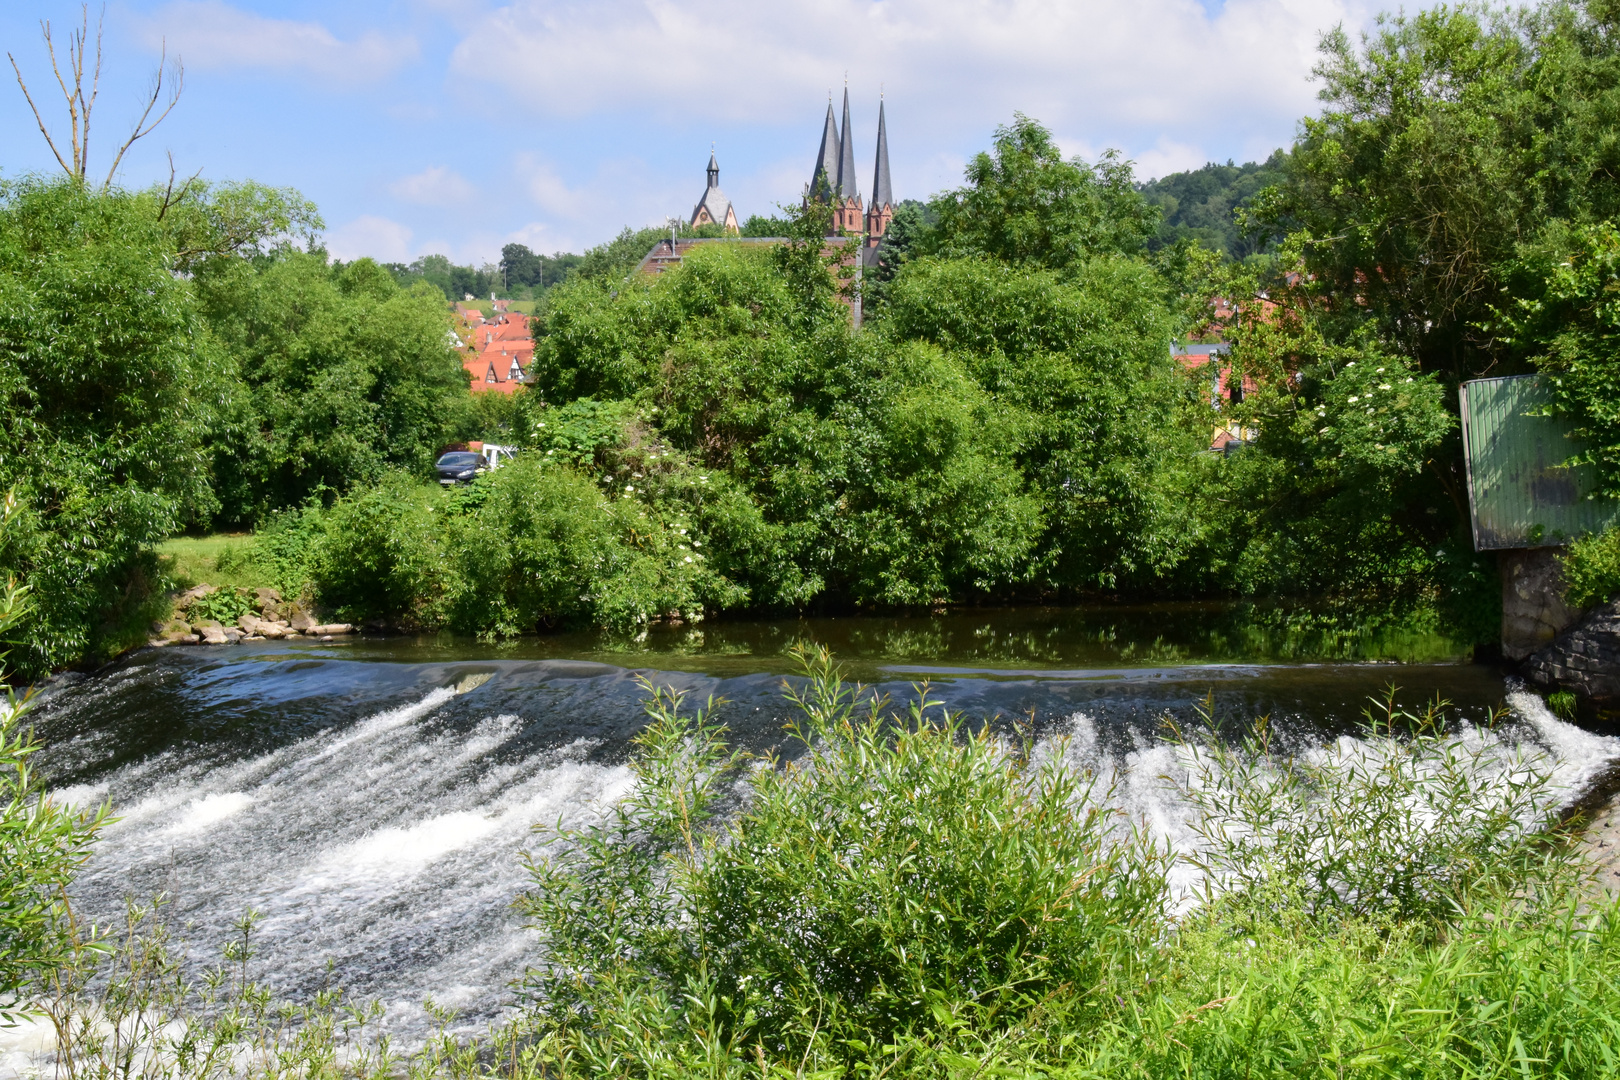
882 192
824 177
848 187
714 200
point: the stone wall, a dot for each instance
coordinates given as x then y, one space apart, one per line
1586 660
1533 608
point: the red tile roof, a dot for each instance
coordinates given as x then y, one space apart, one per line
498 345
491 372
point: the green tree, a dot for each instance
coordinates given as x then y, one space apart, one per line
1025 204
111 387
520 266
905 236
1565 304
1450 138
231 220
453 282
343 375
1079 367
522 269
760 225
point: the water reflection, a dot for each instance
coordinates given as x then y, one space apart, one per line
1073 637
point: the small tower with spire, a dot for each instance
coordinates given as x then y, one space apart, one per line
714 208
881 211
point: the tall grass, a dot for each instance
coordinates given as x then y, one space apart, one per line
130 1011
904 894
1409 820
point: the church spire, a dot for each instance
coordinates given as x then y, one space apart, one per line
880 213
882 193
826 170
848 187
714 208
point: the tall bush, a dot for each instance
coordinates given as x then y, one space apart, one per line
901 881
380 554
110 389
541 546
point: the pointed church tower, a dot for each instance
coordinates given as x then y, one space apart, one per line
847 216
882 209
824 178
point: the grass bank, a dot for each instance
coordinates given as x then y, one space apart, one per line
223 559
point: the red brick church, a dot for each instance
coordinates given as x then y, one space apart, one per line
832 180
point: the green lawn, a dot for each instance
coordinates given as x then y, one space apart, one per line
214 560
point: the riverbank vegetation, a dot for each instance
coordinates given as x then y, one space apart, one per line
905 892
1008 423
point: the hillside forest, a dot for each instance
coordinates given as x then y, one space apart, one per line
1007 424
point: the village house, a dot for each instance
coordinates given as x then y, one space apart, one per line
497 349
1213 361
1226 388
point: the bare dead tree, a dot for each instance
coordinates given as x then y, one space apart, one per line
81 101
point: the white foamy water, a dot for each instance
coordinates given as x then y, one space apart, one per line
1143 782
387 850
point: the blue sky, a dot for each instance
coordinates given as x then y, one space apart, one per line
455 126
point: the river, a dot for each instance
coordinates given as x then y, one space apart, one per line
375 815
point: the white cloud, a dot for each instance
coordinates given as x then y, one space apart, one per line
212 34
948 64
619 191
549 191
542 238
1167 156
373 237
435 186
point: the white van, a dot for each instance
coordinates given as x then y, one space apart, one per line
496 456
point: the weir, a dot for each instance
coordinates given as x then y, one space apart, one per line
374 810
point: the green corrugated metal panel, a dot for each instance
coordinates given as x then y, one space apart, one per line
1519 494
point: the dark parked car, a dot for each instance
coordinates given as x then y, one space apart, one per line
459 466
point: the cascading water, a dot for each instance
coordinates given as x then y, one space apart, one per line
375 815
